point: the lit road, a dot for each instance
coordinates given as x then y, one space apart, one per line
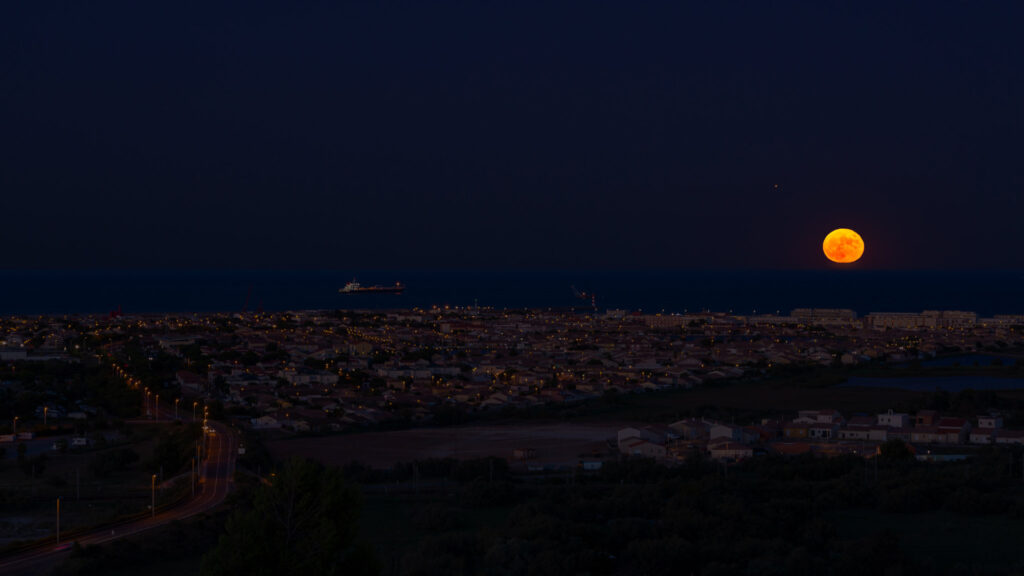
217 473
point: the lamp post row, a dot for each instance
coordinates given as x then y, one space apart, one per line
156 415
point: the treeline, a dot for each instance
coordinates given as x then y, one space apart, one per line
175 448
772 515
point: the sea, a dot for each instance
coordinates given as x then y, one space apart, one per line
60 292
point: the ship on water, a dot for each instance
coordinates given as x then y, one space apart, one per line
354 287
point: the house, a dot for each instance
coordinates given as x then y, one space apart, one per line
682 451
864 428
823 430
265 422
727 431
664 433
766 432
982 436
894 419
955 429
189 381
626 437
860 422
296 424
524 453
903 434
855 433
925 418
858 428
691 428
881 433
990 422
640 447
828 416
728 450
927 435
795 430
1009 436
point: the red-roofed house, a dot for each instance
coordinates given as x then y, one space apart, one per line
1009 436
927 435
955 429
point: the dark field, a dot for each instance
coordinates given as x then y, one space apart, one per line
555 443
583 430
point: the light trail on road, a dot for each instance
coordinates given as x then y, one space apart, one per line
215 485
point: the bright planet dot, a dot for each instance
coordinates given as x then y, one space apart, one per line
843 245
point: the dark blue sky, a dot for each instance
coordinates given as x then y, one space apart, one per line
542 134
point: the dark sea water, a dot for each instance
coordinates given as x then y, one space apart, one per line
149 291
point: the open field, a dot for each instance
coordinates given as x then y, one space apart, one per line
555 443
561 434
563 441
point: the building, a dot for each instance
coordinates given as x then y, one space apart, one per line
1004 436
828 416
894 419
824 316
641 447
925 418
728 450
990 422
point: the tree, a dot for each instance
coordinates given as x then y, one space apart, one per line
895 450
174 449
303 523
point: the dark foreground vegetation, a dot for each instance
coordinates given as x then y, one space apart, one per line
771 515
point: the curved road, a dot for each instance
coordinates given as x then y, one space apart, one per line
217 473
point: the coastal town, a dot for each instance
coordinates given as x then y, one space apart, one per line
331 371
124 417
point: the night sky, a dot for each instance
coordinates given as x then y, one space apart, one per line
510 134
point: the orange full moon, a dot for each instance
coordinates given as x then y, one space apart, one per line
843 245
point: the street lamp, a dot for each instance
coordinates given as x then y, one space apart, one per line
194 404
156 408
45 410
153 505
176 400
14 428
58 519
